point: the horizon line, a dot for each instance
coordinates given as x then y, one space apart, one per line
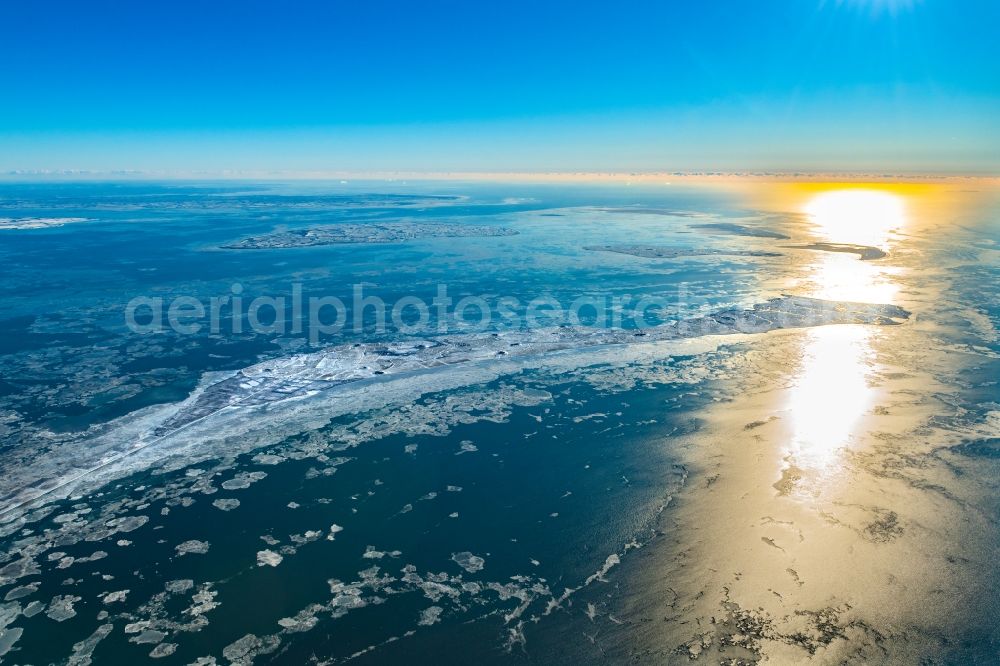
35 175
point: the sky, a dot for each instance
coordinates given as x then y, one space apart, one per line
901 86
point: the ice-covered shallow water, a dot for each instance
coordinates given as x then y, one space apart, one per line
593 502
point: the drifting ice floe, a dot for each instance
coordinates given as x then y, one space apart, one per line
430 615
193 546
243 480
468 561
38 222
226 504
268 558
61 607
232 412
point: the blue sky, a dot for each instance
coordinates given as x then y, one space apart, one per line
888 85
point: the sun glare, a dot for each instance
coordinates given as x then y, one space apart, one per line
854 217
861 217
831 392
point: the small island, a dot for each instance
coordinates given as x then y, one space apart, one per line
341 234
866 252
665 252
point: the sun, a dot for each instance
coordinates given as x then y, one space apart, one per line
858 216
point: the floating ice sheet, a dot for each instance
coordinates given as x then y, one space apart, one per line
237 412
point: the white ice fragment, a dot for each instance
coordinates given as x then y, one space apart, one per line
466 447
430 616
193 546
179 586
34 608
21 591
148 636
304 621
468 561
61 607
243 480
127 523
611 561
163 650
8 637
268 558
226 504
372 554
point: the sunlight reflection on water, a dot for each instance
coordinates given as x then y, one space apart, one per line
857 217
831 391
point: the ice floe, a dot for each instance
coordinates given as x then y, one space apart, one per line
38 222
192 547
225 504
430 615
61 607
468 561
313 387
243 480
268 558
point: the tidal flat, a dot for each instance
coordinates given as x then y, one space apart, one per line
794 462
